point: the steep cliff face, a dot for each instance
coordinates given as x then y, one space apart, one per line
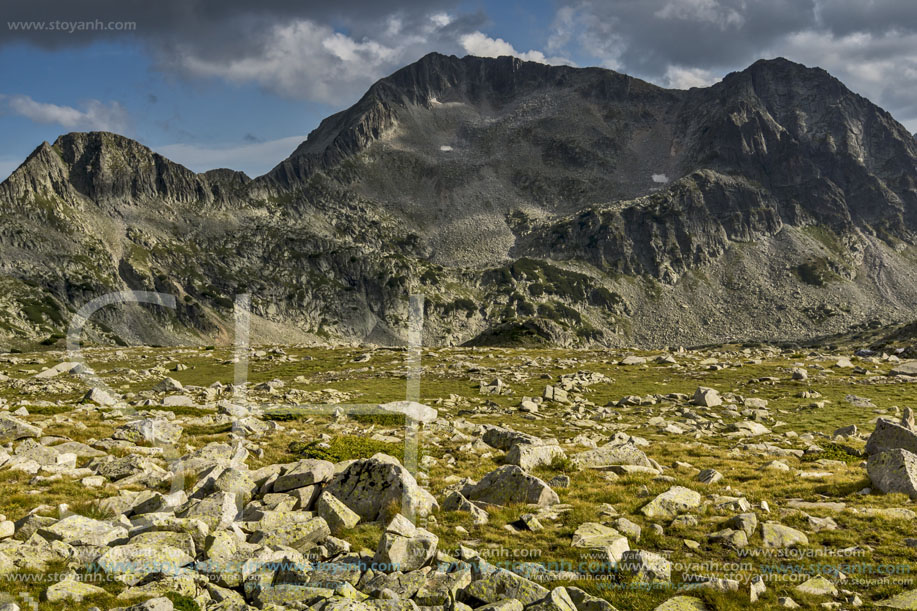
525 202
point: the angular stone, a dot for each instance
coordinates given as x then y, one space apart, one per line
707 397
339 516
300 534
457 502
556 600
645 566
612 454
508 485
371 487
890 435
12 428
675 501
149 430
894 471
404 547
80 530
504 439
529 457
779 536
305 473
501 584
817 586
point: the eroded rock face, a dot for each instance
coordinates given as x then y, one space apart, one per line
376 488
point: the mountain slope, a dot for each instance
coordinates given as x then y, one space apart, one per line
526 202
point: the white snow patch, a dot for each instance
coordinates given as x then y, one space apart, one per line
660 178
445 147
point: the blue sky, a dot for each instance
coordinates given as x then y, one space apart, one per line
242 86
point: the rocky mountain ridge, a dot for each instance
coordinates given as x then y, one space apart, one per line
525 202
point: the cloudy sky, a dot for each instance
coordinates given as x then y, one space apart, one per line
234 83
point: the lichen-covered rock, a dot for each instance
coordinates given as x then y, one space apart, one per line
529 457
894 471
339 516
776 535
612 454
149 430
77 529
890 435
675 501
508 485
305 473
372 487
404 547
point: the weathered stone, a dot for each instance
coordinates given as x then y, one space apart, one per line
529 457
457 502
339 516
149 430
817 586
707 397
411 409
612 454
404 547
301 534
556 600
370 487
77 529
673 502
890 435
12 428
71 590
894 471
305 473
504 439
500 584
682 603
510 484
645 566
779 536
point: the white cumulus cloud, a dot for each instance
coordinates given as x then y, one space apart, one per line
482 45
95 115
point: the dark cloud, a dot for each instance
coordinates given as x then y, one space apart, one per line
182 19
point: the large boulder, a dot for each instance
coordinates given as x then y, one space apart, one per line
500 584
149 430
613 454
80 530
509 484
775 535
373 486
890 435
673 502
529 457
339 516
404 547
12 428
306 472
504 439
299 530
894 471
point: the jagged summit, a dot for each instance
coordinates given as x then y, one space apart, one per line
527 202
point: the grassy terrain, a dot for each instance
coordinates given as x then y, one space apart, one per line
450 382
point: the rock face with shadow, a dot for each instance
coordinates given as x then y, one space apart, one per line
528 204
